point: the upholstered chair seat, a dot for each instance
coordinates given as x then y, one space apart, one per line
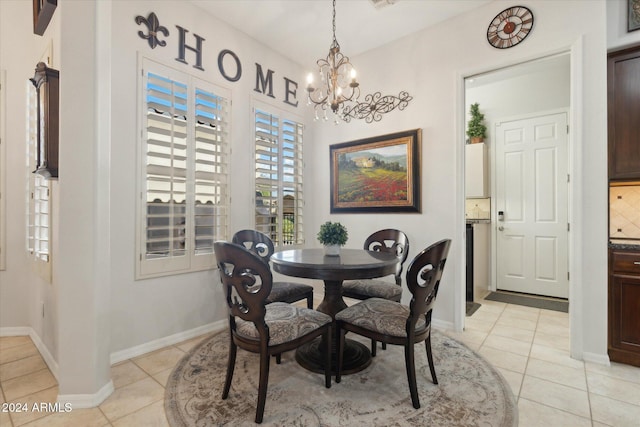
391 241
381 316
373 288
290 292
286 322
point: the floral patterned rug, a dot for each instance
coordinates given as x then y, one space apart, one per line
470 393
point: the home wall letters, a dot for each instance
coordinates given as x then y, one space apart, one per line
229 64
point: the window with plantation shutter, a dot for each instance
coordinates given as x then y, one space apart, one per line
184 196
37 191
279 197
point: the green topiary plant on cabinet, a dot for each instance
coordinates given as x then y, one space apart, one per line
476 129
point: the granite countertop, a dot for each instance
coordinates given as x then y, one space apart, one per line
630 244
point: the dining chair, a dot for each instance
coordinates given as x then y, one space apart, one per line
387 240
260 244
395 323
258 327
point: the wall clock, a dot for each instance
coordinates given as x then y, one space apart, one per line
510 27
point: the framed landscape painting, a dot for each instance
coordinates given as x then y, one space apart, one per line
633 15
378 174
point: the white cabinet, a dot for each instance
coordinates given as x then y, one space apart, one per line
476 174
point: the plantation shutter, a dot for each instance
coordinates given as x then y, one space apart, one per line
278 175
166 168
184 175
292 230
211 159
38 188
267 173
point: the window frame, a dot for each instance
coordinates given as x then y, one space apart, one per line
283 117
191 261
38 195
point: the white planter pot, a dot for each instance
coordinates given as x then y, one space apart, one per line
332 250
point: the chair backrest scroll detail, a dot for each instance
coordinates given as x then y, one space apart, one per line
246 281
391 241
256 242
423 280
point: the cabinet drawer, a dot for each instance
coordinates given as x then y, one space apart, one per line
626 262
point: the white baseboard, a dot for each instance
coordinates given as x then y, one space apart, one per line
19 331
44 352
15 331
150 346
601 359
441 324
80 401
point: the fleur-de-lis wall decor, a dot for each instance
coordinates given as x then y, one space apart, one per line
154 27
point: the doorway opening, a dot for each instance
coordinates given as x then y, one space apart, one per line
516 189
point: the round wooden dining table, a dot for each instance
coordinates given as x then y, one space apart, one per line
350 264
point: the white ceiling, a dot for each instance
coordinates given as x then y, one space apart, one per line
301 30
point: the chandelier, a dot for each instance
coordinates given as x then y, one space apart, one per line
339 90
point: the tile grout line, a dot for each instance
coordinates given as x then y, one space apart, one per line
148 375
586 381
558 409
526 365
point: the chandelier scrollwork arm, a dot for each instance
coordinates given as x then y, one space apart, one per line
375 105
339 90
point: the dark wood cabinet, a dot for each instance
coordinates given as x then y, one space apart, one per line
623 112
624 306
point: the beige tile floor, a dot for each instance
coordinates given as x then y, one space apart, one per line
528 346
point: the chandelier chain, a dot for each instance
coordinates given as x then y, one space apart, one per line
335 40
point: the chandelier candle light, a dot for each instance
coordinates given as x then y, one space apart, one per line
340 91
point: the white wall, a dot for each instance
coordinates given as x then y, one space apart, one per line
431 68
83 329
137 312
97 307
22 292
145 310
617 35
538 88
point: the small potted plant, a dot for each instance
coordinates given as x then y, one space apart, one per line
476 129
332 235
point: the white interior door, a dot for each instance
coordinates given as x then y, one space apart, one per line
532 195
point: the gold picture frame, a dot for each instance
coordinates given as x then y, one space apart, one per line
633 15
379 174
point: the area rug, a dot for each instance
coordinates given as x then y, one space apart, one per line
470 392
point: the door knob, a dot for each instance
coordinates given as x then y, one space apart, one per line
501 228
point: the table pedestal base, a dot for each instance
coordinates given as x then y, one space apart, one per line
356 357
